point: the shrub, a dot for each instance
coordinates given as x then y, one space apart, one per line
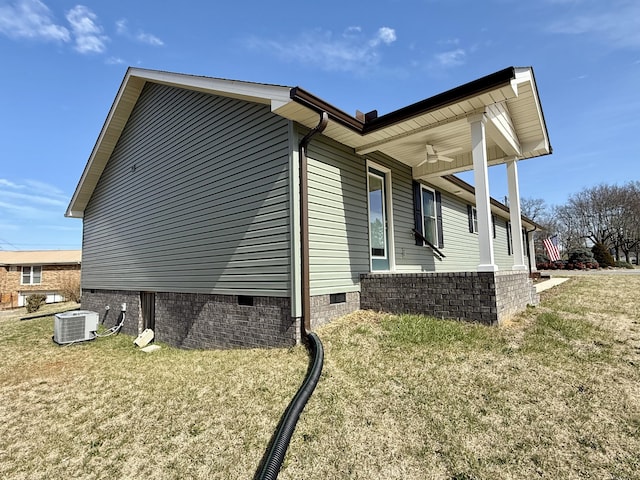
542 259
35 301
622 264
581 255
70 288
602 255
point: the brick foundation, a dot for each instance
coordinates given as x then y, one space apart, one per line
486 297
191 320
98 300
323 311
514 291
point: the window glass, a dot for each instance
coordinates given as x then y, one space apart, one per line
37 275
474 213
31 275
377 216
429 216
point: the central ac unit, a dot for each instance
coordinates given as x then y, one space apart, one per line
75 326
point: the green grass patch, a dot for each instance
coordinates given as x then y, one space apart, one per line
553 394
424 331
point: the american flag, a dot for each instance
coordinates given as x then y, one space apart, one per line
551 246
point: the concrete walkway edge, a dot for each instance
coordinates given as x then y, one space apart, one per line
547 284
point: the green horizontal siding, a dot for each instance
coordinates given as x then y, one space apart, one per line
338 225
195 198
460 246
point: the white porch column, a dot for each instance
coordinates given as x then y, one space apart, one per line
515 214
481 178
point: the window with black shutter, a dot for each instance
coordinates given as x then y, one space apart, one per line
427 211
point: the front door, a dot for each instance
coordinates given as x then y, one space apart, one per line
377 184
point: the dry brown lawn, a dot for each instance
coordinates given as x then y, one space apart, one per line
553 394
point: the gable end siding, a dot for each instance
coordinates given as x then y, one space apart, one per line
195 198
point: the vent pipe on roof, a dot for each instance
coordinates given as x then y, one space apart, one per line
304 222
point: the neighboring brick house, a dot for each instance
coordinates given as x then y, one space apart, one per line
24 273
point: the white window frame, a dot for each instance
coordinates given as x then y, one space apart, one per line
389 212
31 275
434 241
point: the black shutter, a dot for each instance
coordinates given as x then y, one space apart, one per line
417 211
508 238
493 224
439 214
470 215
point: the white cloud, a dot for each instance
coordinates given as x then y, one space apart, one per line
30 195
149 39
123 29
25 197
21 210
115 61
350 51
385 35
88 34
7 183
615 23
452 58
31 19
27 206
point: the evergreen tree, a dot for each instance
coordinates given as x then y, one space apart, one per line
602 255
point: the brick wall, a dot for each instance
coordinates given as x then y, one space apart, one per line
221 321
514 291
204 321
98 300
323 311
485 297
5 294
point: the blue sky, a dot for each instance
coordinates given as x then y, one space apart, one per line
63 61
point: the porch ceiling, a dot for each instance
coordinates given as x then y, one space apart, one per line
515 125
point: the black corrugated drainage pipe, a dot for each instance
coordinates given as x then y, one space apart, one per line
274 456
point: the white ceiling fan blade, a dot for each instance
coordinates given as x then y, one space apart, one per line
449 150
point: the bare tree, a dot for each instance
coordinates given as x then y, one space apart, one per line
533 208
606 214
628 224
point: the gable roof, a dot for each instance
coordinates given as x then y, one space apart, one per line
509 97
41 257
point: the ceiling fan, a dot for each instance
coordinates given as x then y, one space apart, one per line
434 155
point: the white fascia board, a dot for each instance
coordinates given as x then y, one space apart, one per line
254 92
525 75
